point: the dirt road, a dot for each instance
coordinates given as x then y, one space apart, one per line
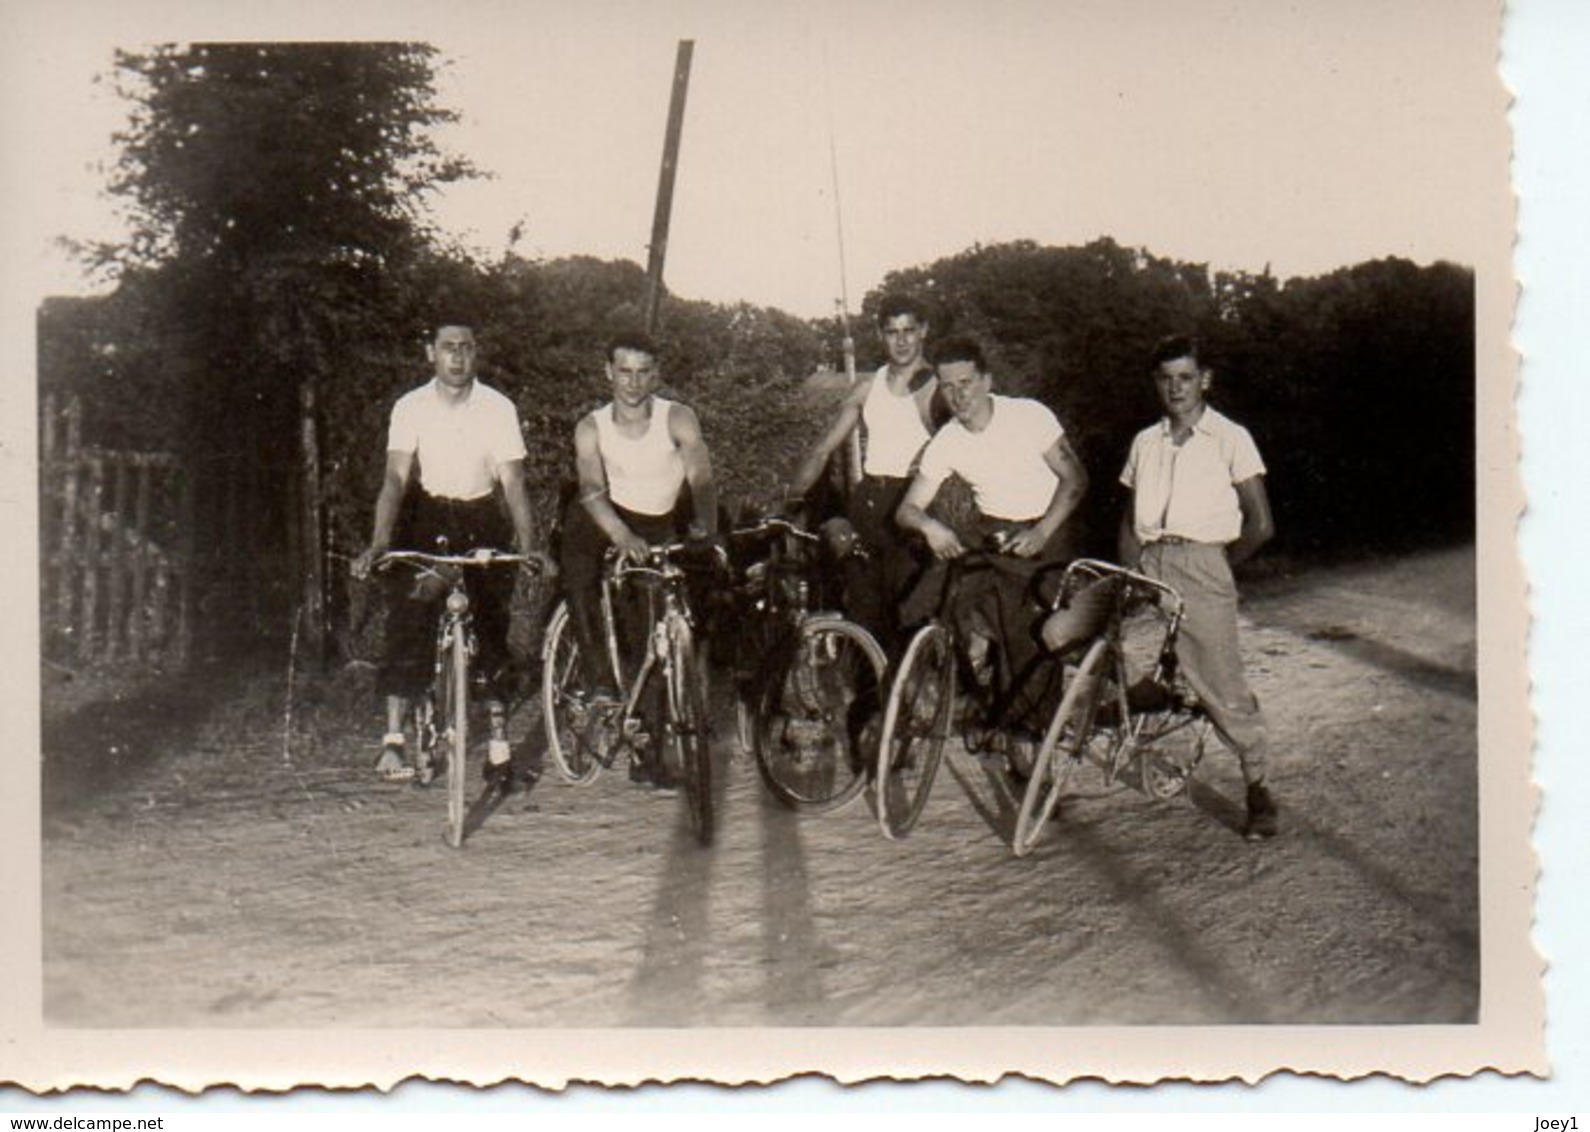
225 877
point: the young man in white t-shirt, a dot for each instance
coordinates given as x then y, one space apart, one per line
1198 508
1026 483
452 445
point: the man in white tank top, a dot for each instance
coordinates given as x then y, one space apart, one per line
894 409
634 456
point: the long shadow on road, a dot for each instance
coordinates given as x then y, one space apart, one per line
668 985
103 745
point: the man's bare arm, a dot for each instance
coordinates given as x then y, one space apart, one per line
593 490
845 422
686 430
1258 525
1128 546
912 514
1071 483
394 486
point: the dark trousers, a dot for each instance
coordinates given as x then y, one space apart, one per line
876 584
584 548
414 604
1007 602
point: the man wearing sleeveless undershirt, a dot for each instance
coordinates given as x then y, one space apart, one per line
893 408
634 456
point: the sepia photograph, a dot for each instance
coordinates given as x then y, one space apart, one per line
628 542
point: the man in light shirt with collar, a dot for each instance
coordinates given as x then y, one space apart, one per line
1198 508
451 444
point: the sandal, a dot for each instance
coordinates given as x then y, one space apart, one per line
391 766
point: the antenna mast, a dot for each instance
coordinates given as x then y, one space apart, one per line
847 342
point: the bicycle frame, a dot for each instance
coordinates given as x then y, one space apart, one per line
1103 679
456 648
996 702
663 631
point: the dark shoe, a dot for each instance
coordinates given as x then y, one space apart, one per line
1263 814
1021 753
496 774
663 780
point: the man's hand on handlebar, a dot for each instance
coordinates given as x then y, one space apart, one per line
365 562
631 548
543 564
1024 543
942 541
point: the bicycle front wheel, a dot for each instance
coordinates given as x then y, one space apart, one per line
1061 752
453 704
916 724
688 730
564 714
819 712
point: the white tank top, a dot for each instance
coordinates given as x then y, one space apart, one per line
895 433
644 473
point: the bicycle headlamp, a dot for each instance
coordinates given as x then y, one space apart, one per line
457 601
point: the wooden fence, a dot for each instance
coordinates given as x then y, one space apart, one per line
115 549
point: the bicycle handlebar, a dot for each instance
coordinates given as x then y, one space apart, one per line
483 556
1096 569
659 558
775 525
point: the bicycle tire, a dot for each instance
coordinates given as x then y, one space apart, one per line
912 743
819 701
455 724
562 699
1061 752
688 731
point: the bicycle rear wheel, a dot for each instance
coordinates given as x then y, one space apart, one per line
916 724
1170 745
1061 752
453 706
564 713
688 730
819 705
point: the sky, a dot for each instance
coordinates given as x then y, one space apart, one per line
1241 133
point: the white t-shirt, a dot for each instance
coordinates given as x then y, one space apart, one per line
1004 463
458 444
1189 490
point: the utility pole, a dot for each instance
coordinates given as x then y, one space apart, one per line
665 182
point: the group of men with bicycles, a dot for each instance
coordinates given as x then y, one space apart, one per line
1196 480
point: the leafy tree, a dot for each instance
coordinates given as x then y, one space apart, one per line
278 191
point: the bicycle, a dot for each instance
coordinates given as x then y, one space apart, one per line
441 715
924 702
1107 718
809 683
583 739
